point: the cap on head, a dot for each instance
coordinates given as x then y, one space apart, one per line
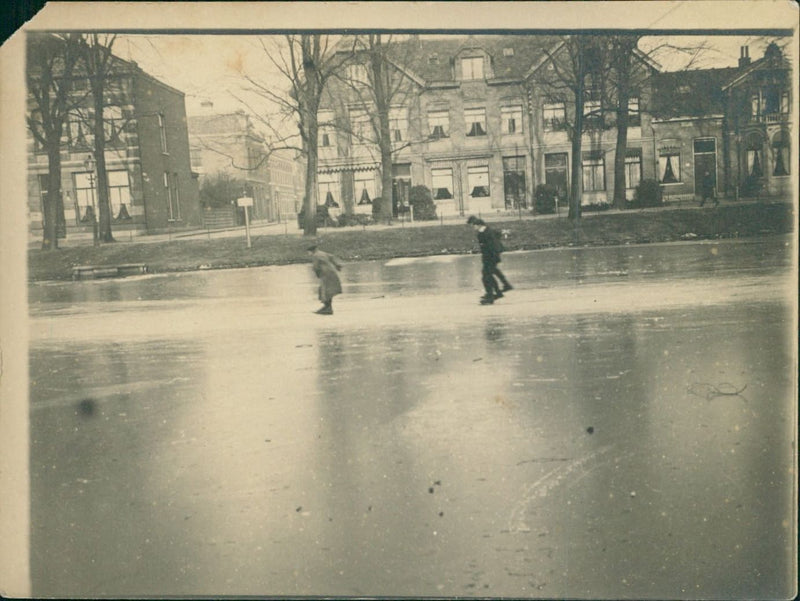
475 220
312 248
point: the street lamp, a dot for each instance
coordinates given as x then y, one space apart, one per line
90 164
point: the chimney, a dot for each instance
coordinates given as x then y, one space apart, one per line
744 56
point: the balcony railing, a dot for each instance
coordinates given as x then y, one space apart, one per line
770 118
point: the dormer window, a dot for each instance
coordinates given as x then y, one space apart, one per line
472 68
508 52
433 59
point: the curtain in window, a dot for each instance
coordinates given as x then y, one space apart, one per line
478 181
442 183
754 162
780 148
669 173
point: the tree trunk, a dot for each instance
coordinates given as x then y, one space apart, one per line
103 206
50 209
310 201
621 148
576 181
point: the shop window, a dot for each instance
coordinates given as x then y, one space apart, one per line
442 183
364 187
476 122
328 189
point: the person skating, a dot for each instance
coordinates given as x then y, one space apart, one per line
491 248
325 267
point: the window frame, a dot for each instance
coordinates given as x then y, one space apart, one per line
663 161
478 172
472 117
439 118
442 172
471 73
557 121
596 162
511 114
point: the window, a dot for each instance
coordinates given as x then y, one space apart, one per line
755 105
325 131
162 128
511 117
781 145
398 124
592 114
755 157
472 68
357 73
119 194
439 124
594 171
633 167
328 188
634 116
80 132
514 182
84 196
113 125
364 187
554 116
173 198
476 121
785 102
433 59
361 126
508 51
478 181
442 183
669 166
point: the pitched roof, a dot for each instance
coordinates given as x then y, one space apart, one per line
692 93
429 59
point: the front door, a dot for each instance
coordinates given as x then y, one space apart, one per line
705 160
555 172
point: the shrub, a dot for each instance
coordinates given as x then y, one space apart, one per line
354 219
420 198
220 190
544 198
647 194
322 217
595 207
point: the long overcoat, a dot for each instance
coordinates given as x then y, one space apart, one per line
325 267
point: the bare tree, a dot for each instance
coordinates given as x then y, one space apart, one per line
100 68
578 66
306 62
51 63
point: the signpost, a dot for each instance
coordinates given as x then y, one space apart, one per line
246 201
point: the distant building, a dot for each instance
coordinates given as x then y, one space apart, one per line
151 185
227 144
474 120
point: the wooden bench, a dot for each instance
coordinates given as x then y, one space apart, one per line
91 272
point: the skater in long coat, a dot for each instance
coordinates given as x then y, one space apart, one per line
326 268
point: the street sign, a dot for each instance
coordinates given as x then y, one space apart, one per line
244 201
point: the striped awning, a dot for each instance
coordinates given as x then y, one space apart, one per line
348 167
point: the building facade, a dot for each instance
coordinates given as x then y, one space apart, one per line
228 145
475 120
151 187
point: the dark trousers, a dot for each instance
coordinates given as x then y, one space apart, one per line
489 274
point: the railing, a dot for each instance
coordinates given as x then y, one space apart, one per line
770 118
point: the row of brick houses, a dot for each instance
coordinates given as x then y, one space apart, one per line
151 185
156 160
473 122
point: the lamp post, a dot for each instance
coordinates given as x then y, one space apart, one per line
90 165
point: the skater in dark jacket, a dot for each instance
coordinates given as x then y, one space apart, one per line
491 248
325 267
